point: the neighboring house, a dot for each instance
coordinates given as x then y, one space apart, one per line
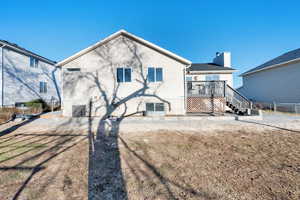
125 74
26 76
277 80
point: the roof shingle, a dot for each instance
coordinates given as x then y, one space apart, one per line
21 49
291 55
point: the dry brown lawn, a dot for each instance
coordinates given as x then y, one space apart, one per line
225 165
241 164
43 165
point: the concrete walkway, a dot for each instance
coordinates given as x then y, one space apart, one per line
270 120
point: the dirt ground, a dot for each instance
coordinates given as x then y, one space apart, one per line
43 164
224 165
247 162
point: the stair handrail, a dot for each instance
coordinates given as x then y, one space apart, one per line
239 95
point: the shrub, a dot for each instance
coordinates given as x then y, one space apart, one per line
37 103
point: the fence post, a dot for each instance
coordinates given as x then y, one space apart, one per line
274 106
296 108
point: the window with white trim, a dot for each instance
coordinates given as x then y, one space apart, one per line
123 74
155 107
43 87
155 74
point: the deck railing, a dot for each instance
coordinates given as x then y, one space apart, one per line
218 89
206 89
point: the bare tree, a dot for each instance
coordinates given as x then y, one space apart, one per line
106 98
102 83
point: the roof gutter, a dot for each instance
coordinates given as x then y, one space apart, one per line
29 53
213 72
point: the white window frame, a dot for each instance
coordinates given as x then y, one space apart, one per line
35 61
155 80
154 108
43 87
124 74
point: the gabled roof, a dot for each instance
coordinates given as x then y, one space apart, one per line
25 51
131 36
209 67
285 58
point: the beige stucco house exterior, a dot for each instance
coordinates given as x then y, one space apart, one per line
116 69
125 74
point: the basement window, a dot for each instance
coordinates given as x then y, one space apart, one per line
155 107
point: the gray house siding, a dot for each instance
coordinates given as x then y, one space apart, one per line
21 82
280 84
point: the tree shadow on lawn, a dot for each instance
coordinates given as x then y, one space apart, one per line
99 88
42 150
105 173
15 127
149 176
106 179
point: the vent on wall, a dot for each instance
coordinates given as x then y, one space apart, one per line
73 69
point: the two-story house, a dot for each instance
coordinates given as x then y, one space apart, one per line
26 76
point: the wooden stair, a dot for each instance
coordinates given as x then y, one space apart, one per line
238 103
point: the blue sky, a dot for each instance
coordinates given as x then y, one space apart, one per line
253 31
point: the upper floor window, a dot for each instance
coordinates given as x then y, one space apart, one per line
155 74
43 87
212 77
34 62
123 74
